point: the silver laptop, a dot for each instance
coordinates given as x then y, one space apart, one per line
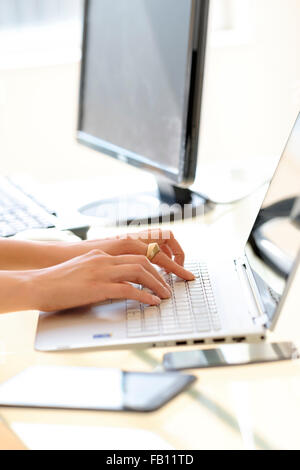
229 301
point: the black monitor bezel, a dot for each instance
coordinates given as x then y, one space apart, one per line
185 175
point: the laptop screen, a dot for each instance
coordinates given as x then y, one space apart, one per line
274 242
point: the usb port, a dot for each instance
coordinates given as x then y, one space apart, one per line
181 343
219 340
239 340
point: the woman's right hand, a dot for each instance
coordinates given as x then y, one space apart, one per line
96 277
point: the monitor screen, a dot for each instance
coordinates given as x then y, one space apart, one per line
136 79
274 243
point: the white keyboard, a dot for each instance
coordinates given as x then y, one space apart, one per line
192 308
19 211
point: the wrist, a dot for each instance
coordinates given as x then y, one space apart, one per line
36 288
69 250
27 289
17 291
52 254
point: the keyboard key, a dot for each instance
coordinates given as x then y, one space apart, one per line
191 308
151 313
171 329
203 328
135 334
185 321
181 307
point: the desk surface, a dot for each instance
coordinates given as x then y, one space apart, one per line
231 408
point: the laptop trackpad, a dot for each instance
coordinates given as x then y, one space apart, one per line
81 327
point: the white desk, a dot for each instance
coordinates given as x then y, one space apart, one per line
233 408
229 408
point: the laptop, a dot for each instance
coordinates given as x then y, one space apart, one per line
233 300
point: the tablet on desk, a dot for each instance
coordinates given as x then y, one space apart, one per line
91 388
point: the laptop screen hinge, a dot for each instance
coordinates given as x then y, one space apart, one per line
262 320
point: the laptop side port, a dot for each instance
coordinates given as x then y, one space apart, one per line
199 341
239 339
219 340
181 343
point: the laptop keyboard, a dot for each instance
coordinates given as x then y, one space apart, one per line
191 309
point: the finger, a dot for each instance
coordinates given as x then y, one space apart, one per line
127 291
174 246
136 274
147 236
163 238
143 261
162 260
167 251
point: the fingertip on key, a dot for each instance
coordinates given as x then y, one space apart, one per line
187 275
156 300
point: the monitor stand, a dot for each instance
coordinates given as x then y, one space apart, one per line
165 204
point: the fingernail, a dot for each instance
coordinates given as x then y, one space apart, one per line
190 276
167 292
166 286
156 300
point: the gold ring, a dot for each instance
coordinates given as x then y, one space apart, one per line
152 250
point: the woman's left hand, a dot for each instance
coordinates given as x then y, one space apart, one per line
171 257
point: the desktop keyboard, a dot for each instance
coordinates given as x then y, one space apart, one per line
192 308
19 211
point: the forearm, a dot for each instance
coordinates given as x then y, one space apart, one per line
23 255
16 291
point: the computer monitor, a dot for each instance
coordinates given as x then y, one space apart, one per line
140 98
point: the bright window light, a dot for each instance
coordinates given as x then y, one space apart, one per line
40 32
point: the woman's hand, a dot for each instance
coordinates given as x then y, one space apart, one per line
170 258
96 277
58 276
25 255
